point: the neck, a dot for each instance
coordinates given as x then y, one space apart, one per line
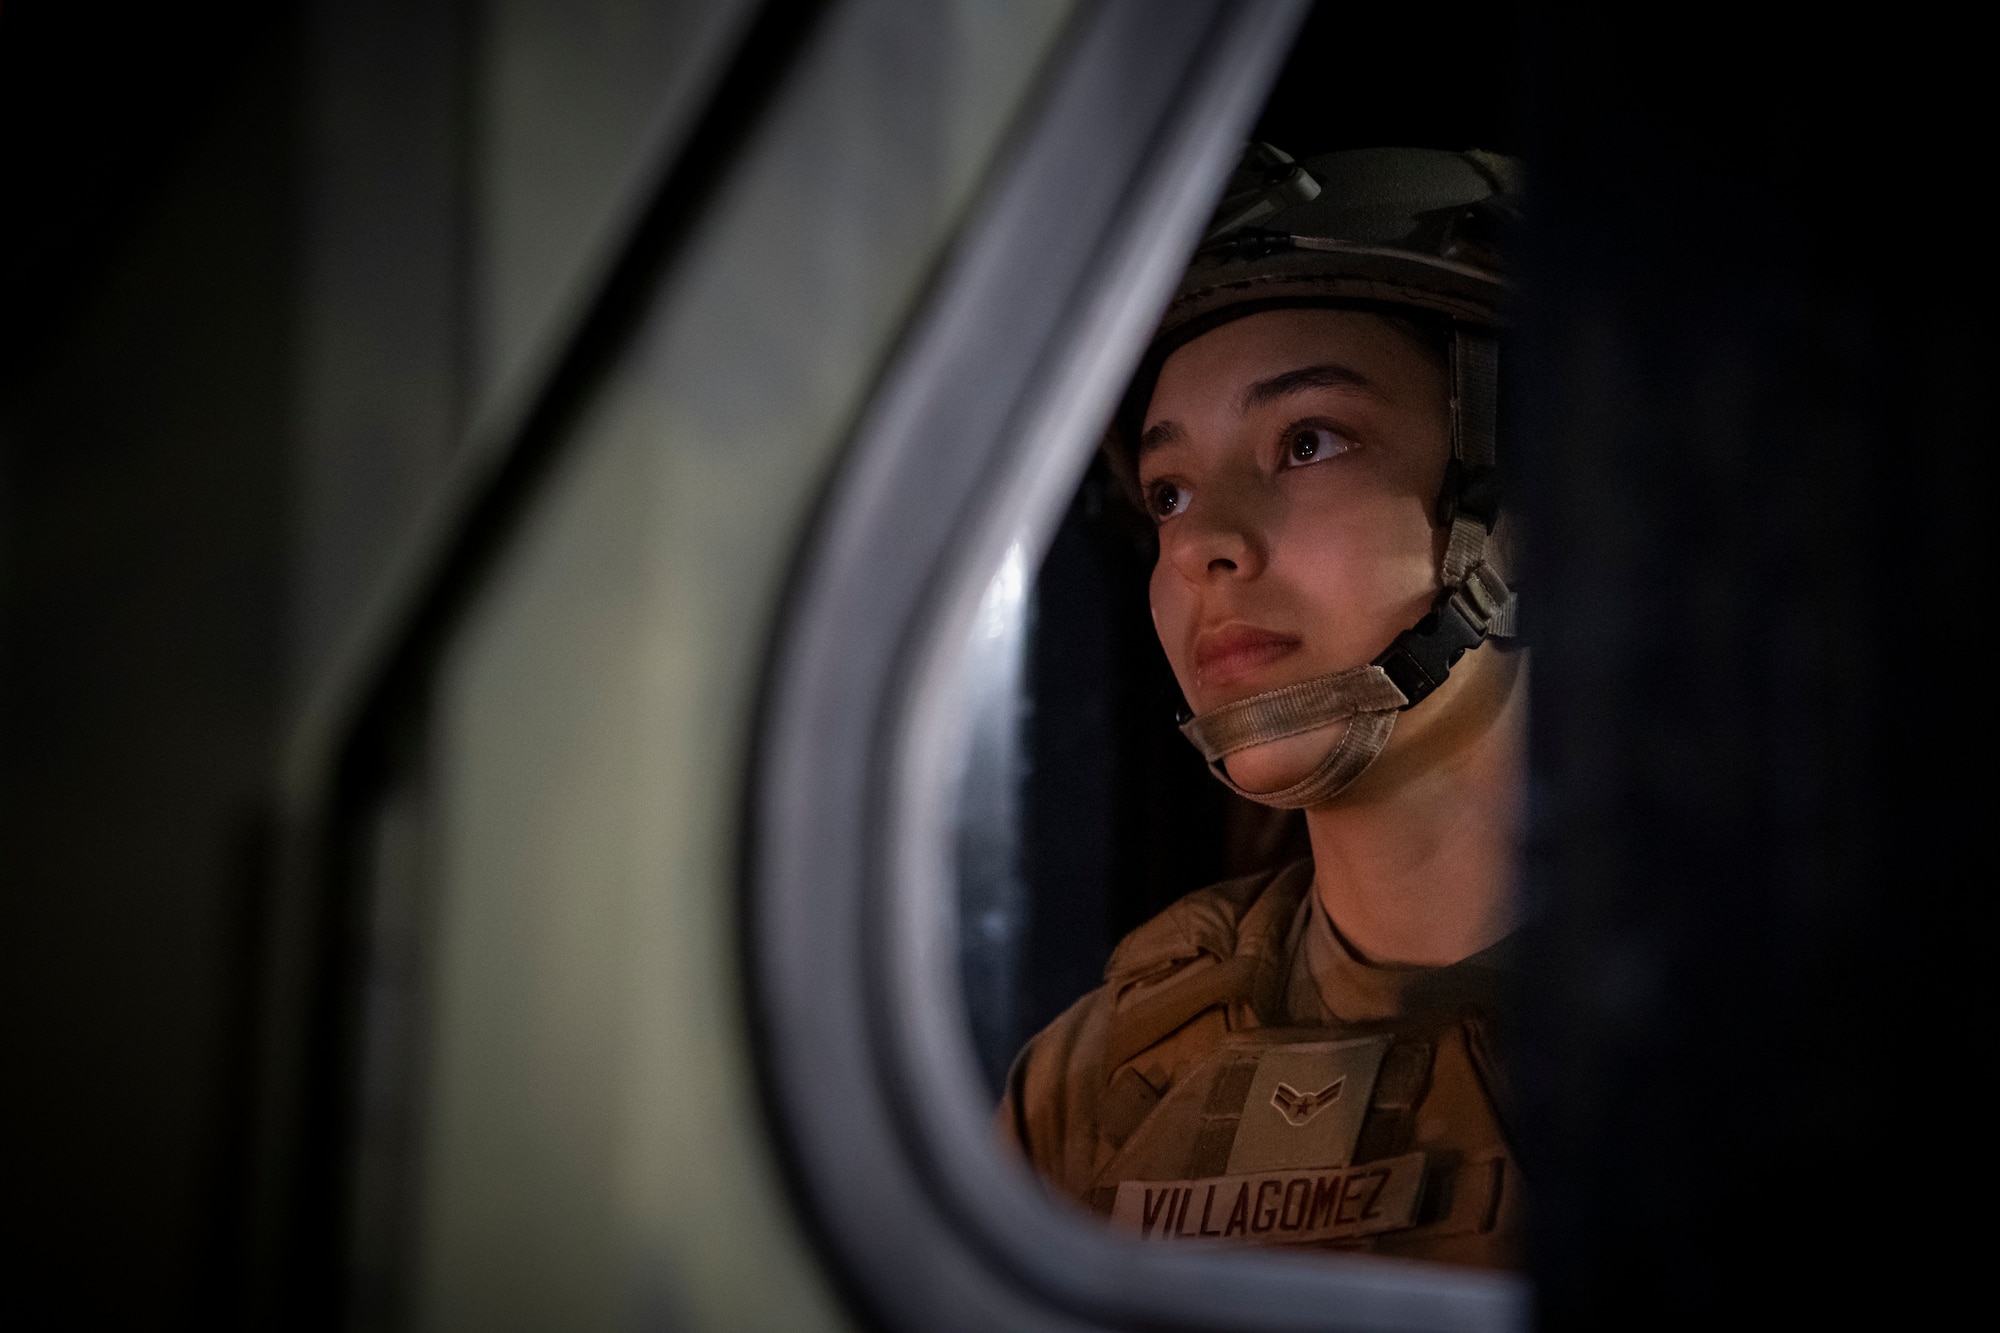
1415 861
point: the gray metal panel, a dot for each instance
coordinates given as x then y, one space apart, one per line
477 171
574 103
380 354
593 1154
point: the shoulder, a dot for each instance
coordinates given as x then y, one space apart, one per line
1223 921
1210 964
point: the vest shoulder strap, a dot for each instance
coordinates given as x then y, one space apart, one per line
1222 946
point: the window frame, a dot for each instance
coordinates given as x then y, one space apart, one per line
981 427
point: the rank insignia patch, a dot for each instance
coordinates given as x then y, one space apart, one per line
1298 1107
1305 1105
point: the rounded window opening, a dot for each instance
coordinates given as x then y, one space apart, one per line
1237 835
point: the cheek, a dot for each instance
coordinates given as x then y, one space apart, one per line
1367 569
1172 607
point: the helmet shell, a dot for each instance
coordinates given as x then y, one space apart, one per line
1411 227
1401 229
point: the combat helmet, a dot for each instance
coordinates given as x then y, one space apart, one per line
1408 231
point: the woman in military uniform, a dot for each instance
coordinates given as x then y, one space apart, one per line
1305 1057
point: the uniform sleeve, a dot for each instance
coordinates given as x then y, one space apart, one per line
1048 1111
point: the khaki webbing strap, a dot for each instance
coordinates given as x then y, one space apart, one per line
1254 974
1174 1006
1364 739
1366 698
1475 389
1292 711
1363 697
1475 397
1492 600
1466 550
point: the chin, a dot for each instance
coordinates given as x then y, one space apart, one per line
1278 765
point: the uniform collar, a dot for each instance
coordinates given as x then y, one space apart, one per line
1332 983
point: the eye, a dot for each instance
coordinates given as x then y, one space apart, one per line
1313 444
1164 499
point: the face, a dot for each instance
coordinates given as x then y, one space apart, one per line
1292 460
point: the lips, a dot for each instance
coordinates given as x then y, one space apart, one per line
1230 654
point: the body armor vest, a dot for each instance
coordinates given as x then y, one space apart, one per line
1242 1077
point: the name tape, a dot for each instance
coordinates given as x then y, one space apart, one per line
1276 1207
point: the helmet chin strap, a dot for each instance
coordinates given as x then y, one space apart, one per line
1363 697
1473 605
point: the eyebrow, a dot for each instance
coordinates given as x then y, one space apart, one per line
1159 433
1326 376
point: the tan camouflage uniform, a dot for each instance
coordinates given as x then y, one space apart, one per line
1145 1078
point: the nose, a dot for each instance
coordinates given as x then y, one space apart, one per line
1218 537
